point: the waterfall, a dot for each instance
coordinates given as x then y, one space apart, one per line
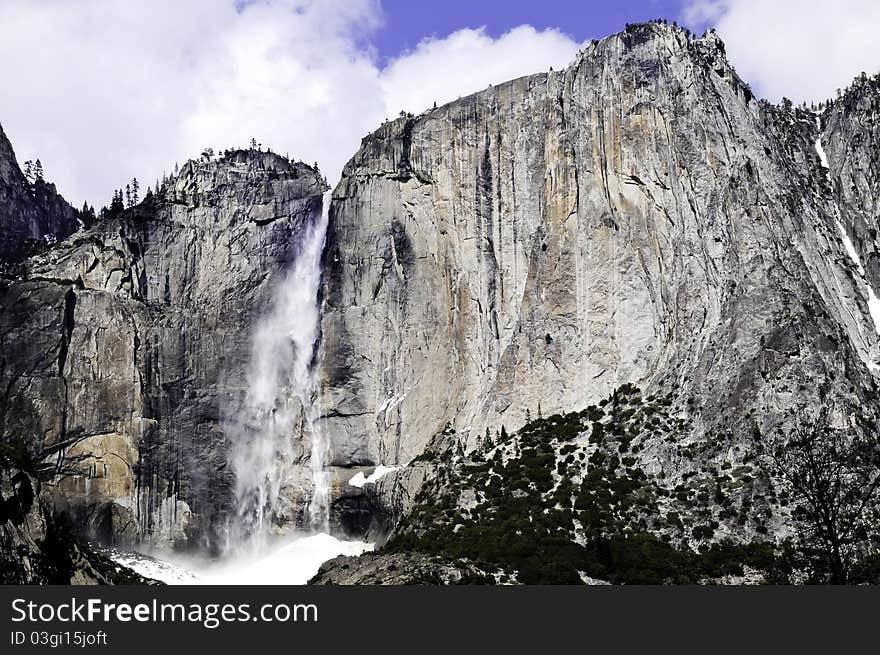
281 403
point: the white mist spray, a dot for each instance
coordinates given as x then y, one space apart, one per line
282 402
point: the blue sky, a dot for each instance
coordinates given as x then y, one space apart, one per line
406 22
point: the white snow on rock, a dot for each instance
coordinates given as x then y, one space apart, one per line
823 157
873 301
359 480
292 561
153 568
391 403
874 308
850 249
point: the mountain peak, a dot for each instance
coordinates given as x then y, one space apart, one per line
31 214
203 180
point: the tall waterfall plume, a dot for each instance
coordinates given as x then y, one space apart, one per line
281 402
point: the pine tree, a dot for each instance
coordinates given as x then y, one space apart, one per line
38 170
135 188
127 195
87 214
253 144
29 170
503 433
117 206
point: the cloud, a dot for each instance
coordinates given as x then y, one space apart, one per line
802 49
103 91
468 61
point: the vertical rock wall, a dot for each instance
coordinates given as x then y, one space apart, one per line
639 217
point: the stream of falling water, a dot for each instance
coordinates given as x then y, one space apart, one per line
282 401
280 406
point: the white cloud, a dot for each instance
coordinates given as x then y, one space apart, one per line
801 49
468 61
102 90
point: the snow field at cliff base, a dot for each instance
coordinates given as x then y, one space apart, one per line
289 561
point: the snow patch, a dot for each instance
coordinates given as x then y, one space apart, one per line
292 562
873 301
850 249
820 150
391 403
874 308
359 480
594 582
153 568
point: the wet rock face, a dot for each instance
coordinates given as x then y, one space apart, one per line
639 217
32 215
125 348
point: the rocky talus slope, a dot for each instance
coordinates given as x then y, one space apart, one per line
125 347
639 218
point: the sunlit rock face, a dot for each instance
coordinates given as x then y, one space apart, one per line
638 217
125 348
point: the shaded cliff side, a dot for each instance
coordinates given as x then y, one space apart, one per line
32 213
124 348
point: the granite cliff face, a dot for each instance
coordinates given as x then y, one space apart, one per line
33 214
125 347
628 275
689 272
851 132
638 217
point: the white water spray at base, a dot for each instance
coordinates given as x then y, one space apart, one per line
281 404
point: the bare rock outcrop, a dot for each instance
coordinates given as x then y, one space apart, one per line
125 347
32 213
639 217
